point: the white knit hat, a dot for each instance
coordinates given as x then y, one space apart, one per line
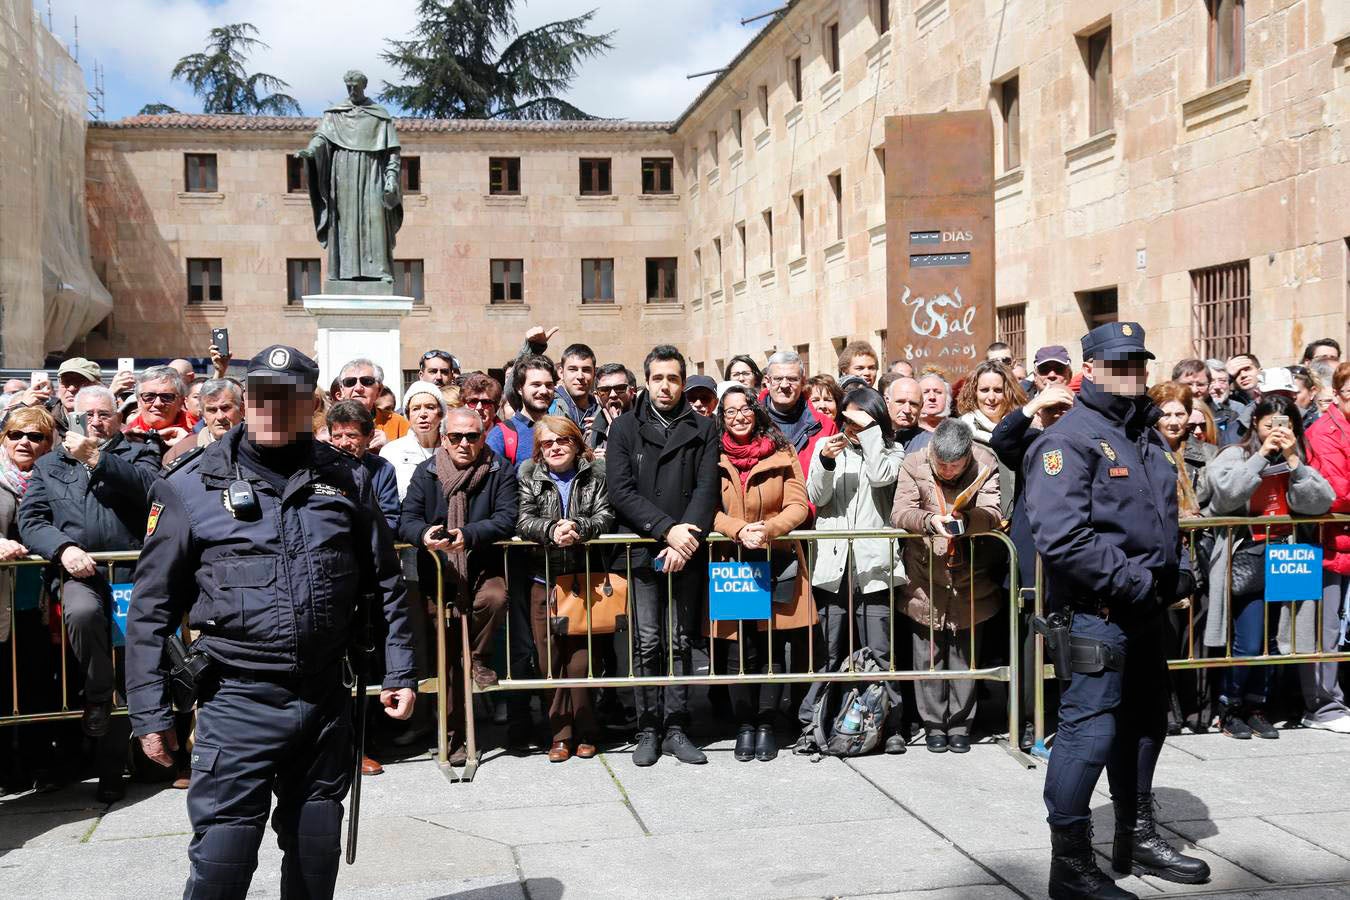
424 387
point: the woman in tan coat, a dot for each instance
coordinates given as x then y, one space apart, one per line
763 498
948 595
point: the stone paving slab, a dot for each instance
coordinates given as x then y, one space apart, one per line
521 826
1272 853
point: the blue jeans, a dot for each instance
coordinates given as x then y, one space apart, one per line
1247 683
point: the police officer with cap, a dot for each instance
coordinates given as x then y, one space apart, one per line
1101 497
273 545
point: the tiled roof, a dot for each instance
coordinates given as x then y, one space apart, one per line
205 122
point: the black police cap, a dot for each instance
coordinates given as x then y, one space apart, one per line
280 363
1116 340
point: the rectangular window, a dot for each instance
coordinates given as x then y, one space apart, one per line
508 281
662 279
504 175
410 174
1012 330
767 215
1221 310
736 126
204 285
1227 46
408 279
799 204
1009 102
883 16
658 176
297 175
717 260
595 176
795 77
740 251
712 146
597 281
804 351
832 46
1100 117
302 277
698 274
837 204
199 173
763 104
1099 307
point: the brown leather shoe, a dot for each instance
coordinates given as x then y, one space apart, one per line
184 780
483 676
585 750
559 752
371 767
459 757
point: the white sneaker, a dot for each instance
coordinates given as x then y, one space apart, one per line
1340 724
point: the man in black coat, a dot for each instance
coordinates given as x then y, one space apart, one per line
460 503
663 481
91 495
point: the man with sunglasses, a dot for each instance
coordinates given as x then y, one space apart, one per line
460 502
362 380
161 416
273 546
438 367
615 389
87 496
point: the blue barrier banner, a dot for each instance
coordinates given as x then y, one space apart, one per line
738 590
1293 572
121 594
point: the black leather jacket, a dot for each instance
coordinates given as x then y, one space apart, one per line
541 509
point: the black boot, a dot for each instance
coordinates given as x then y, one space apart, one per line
1139 850
1073 869
766 743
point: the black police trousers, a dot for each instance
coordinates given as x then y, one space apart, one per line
257 737
1111 720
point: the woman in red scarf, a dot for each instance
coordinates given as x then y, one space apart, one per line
763 498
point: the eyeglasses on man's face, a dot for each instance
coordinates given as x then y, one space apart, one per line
463 437
151 397
365 381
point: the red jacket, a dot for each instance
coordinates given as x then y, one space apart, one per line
827 428
1328 445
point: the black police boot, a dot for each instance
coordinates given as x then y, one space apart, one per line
1139 850
1073 869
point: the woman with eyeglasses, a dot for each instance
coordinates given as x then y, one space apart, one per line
564 502
742 369
1265 475
25 437
1328 443
763 498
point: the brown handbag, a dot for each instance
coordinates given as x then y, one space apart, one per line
606 595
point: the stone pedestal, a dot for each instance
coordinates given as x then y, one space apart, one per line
352 326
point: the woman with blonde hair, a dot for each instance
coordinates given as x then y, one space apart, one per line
564 502
987 395
1178 404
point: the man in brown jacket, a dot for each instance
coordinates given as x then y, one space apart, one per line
946 596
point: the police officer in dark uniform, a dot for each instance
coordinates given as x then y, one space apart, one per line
273 545
1101 497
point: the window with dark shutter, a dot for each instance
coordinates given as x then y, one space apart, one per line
204 282
595 176
199 173
508 280
662 279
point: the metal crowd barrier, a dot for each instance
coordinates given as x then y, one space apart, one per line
1196 657
1008 674
18 716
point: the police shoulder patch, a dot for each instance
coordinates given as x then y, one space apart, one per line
1053 462
152 522
1170 458
1108 450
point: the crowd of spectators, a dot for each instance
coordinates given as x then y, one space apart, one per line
559 453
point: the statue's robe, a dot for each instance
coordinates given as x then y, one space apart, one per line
354 148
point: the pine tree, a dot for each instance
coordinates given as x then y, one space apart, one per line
219 78
454 70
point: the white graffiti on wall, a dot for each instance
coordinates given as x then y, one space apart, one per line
939 319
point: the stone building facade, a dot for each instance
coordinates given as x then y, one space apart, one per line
1185 163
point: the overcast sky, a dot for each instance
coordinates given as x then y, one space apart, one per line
312 42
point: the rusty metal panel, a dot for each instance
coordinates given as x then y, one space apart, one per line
940 239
